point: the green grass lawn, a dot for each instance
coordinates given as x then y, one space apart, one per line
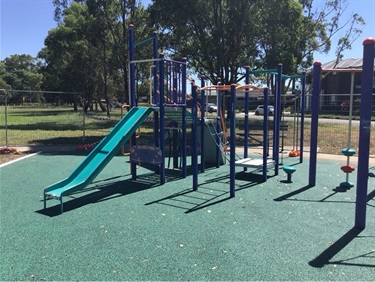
28 126
41 126
45 125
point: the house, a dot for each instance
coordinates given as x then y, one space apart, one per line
339 81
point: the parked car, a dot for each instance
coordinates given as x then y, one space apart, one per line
260 110
211 107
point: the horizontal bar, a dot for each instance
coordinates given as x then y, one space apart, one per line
143 42
272 71
174 61
145 61
292 76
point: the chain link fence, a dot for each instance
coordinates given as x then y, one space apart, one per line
339 123
54 118
30 118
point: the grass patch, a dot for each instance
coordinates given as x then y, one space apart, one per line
61 125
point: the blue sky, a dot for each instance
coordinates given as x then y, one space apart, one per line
23 26
25 23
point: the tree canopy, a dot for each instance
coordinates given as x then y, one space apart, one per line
20 72
87 51
222 36
214 35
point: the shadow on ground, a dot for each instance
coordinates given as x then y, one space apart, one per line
325 257
206 195
104 190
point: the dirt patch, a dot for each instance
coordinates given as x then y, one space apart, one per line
8 154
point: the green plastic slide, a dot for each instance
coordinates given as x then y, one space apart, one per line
94 163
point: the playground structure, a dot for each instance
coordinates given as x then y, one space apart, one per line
364 132
348 151
265 162
169 100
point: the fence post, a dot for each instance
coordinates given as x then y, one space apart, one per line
6 118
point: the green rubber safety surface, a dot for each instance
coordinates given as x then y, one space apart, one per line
119 229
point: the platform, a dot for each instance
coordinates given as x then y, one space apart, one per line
254 163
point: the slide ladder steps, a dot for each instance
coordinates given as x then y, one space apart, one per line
175 114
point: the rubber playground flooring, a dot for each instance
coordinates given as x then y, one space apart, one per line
119 229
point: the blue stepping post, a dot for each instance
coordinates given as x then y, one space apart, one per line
348 168
289 170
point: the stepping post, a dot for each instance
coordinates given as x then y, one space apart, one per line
289 170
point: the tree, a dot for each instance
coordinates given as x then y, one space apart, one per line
88 49
214 35
68 56
21 72
219 37
326 21
279 34
3 84
60 6
77 51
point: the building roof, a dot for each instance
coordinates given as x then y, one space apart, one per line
347 65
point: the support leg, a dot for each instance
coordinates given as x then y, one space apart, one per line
61 205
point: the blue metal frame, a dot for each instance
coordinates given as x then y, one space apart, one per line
218 124
276 119
133 140
246 124
183 141
265 134
154 98
232 167
202 123
303 106
194 153
364 131
165 72
314 123
162 118
276 126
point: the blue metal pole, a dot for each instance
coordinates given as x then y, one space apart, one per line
155 55
232 173
275 90
133 166
162 120
174 81
176 92
277 118
154 98
168 76
132 66
364 131
314 123
246 130
194 138
183 122
203 125
303 105
265 133
218 125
